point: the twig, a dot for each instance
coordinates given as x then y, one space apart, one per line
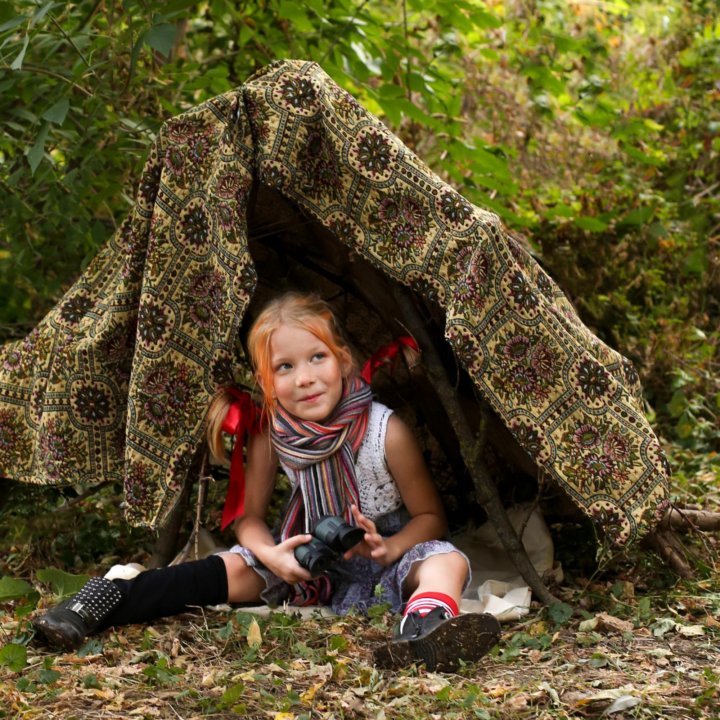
668 547
72 502
29 67
202 495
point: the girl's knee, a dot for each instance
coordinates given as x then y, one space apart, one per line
235 565
456 563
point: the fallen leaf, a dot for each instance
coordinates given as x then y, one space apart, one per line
309 695
588 625
622 703
254 636
662 626
208 679
612 624
690 630
517 702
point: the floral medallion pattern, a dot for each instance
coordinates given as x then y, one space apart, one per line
373 154
528 368
92 404
399 223
115 381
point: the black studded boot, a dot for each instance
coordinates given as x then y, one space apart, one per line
103 603
69 623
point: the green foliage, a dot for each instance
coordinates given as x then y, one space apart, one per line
12 589
560 613
62 583
13 656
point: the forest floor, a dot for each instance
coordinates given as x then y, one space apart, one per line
630 642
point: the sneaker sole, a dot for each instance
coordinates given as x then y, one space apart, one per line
464 638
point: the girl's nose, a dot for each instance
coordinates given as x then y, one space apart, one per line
304 378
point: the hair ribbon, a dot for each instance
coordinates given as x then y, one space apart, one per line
387 355
242 419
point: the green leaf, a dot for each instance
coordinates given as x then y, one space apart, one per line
638 217
10 24
232 695
93 646
696 262
18 61
560 613
48 676
62 583
57 113
42 12
294 12
560 210
11 588
13 656
656 159
161 38
590 224
36 152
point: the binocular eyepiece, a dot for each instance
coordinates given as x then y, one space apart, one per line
332 537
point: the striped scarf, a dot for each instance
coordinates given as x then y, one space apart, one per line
322 456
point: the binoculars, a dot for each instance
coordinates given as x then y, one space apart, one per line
332 537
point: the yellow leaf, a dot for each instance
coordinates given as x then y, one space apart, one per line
102 694
309 694
254 637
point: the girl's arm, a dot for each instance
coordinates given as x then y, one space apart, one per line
418 493
251 529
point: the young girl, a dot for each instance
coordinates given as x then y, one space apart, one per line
346 456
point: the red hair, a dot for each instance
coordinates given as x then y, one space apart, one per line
306 311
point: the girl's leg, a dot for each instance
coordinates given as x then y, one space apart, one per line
175 589
445 573
243 583
152 594
431 630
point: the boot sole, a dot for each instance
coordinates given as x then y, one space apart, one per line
464 638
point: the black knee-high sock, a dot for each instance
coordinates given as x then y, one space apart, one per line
170 590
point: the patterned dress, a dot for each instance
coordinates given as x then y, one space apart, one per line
359 583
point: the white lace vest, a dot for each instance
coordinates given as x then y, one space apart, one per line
379 493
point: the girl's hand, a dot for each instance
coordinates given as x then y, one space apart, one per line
280 560
373 546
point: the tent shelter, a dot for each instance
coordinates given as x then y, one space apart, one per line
287 180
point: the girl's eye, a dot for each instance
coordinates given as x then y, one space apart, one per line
282 367
319 356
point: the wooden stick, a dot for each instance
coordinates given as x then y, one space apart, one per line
686 519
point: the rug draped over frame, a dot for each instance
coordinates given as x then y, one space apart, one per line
115 381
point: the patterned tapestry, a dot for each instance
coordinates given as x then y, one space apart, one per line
115 381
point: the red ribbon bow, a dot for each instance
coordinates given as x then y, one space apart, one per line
386 355
242 418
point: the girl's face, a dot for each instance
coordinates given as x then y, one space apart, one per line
307 376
